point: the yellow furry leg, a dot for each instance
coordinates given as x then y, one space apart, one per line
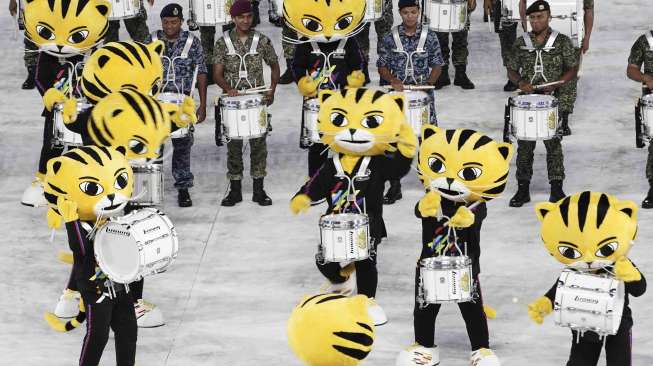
490 312
65 257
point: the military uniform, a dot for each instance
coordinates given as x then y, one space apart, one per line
459 52
136 27
381 26
254 64
559 59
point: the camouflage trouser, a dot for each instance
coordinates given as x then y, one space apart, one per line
207 37
507 37
381 26
258 158
288 48
554 159
181 161
136 27
459 50
569 91
31 54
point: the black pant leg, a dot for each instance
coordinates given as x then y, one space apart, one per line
136 289
475 320
424 319
367 276
585 352
618 348
72 284
123 323
317 155
98 318
331 271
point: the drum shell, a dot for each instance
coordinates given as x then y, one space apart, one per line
418 109
244 116
646 109
149 179
446 279
210 12
311 109
589 302
510 10
344 237
534 120
61 135
373 10
447 15
137 245
124 9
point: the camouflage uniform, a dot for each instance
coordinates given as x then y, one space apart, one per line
288 48
507 30
555 63
459 50
136 27
381 26
254 64
422 62
184 69
641 54
30 55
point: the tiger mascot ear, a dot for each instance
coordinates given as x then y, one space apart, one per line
157 47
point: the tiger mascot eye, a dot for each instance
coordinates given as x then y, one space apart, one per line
331 330
324 20
64 28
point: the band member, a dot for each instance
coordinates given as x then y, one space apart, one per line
136 26
30 52
459 53
641 54
184 51
238 65
416 61
529 65
382 27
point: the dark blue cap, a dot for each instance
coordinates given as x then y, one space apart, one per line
172 11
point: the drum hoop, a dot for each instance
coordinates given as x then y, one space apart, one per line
149 168
446 262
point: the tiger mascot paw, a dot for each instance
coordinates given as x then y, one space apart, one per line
51 97
307 86
356 79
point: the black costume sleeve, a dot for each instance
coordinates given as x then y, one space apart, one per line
320 183
354 55
551 294
636 288
46 72
417 213
396 166
80 123
300 61
82 249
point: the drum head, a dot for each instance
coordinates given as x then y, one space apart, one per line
117 253
530 101
647 100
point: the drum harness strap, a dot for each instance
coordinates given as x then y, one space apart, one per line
409 69
326 69
231 51
361 174
170 77
539 64
649 39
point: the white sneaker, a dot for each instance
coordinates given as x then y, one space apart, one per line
416 355
33 195
68 305
376 312
484 357
148 315
347 288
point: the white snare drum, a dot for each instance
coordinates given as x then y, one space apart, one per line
244 116
446 279
211 12
534 117
447 15
309 131
61 135
178 99
510 10
344 237
418 109
148 185
373 10
140 244
646 111
589 302
567 18
124 9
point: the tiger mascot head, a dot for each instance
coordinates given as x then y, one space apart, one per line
118 65
324 20
133 120
330 329
588 230
463 165
64 28
98 179
363 122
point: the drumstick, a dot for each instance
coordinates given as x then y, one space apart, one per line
541 86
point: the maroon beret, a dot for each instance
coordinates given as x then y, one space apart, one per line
240 7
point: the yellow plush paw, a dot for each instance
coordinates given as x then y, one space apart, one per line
185 113
69 110
65 257
300 203
407 144
540 308
464 217
307 86
51 97
67 209
489 311
54 219
356 79
429 205
625 271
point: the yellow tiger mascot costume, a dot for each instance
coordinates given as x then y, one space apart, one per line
372 143
457 167
592 232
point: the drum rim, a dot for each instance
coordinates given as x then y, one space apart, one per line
448 259
326 221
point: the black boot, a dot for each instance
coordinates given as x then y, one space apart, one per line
287 77
522 196
648 201
235 194
184 198
259 194
443 79
29 82
564 124
461 78
556 191
393 194
510 86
